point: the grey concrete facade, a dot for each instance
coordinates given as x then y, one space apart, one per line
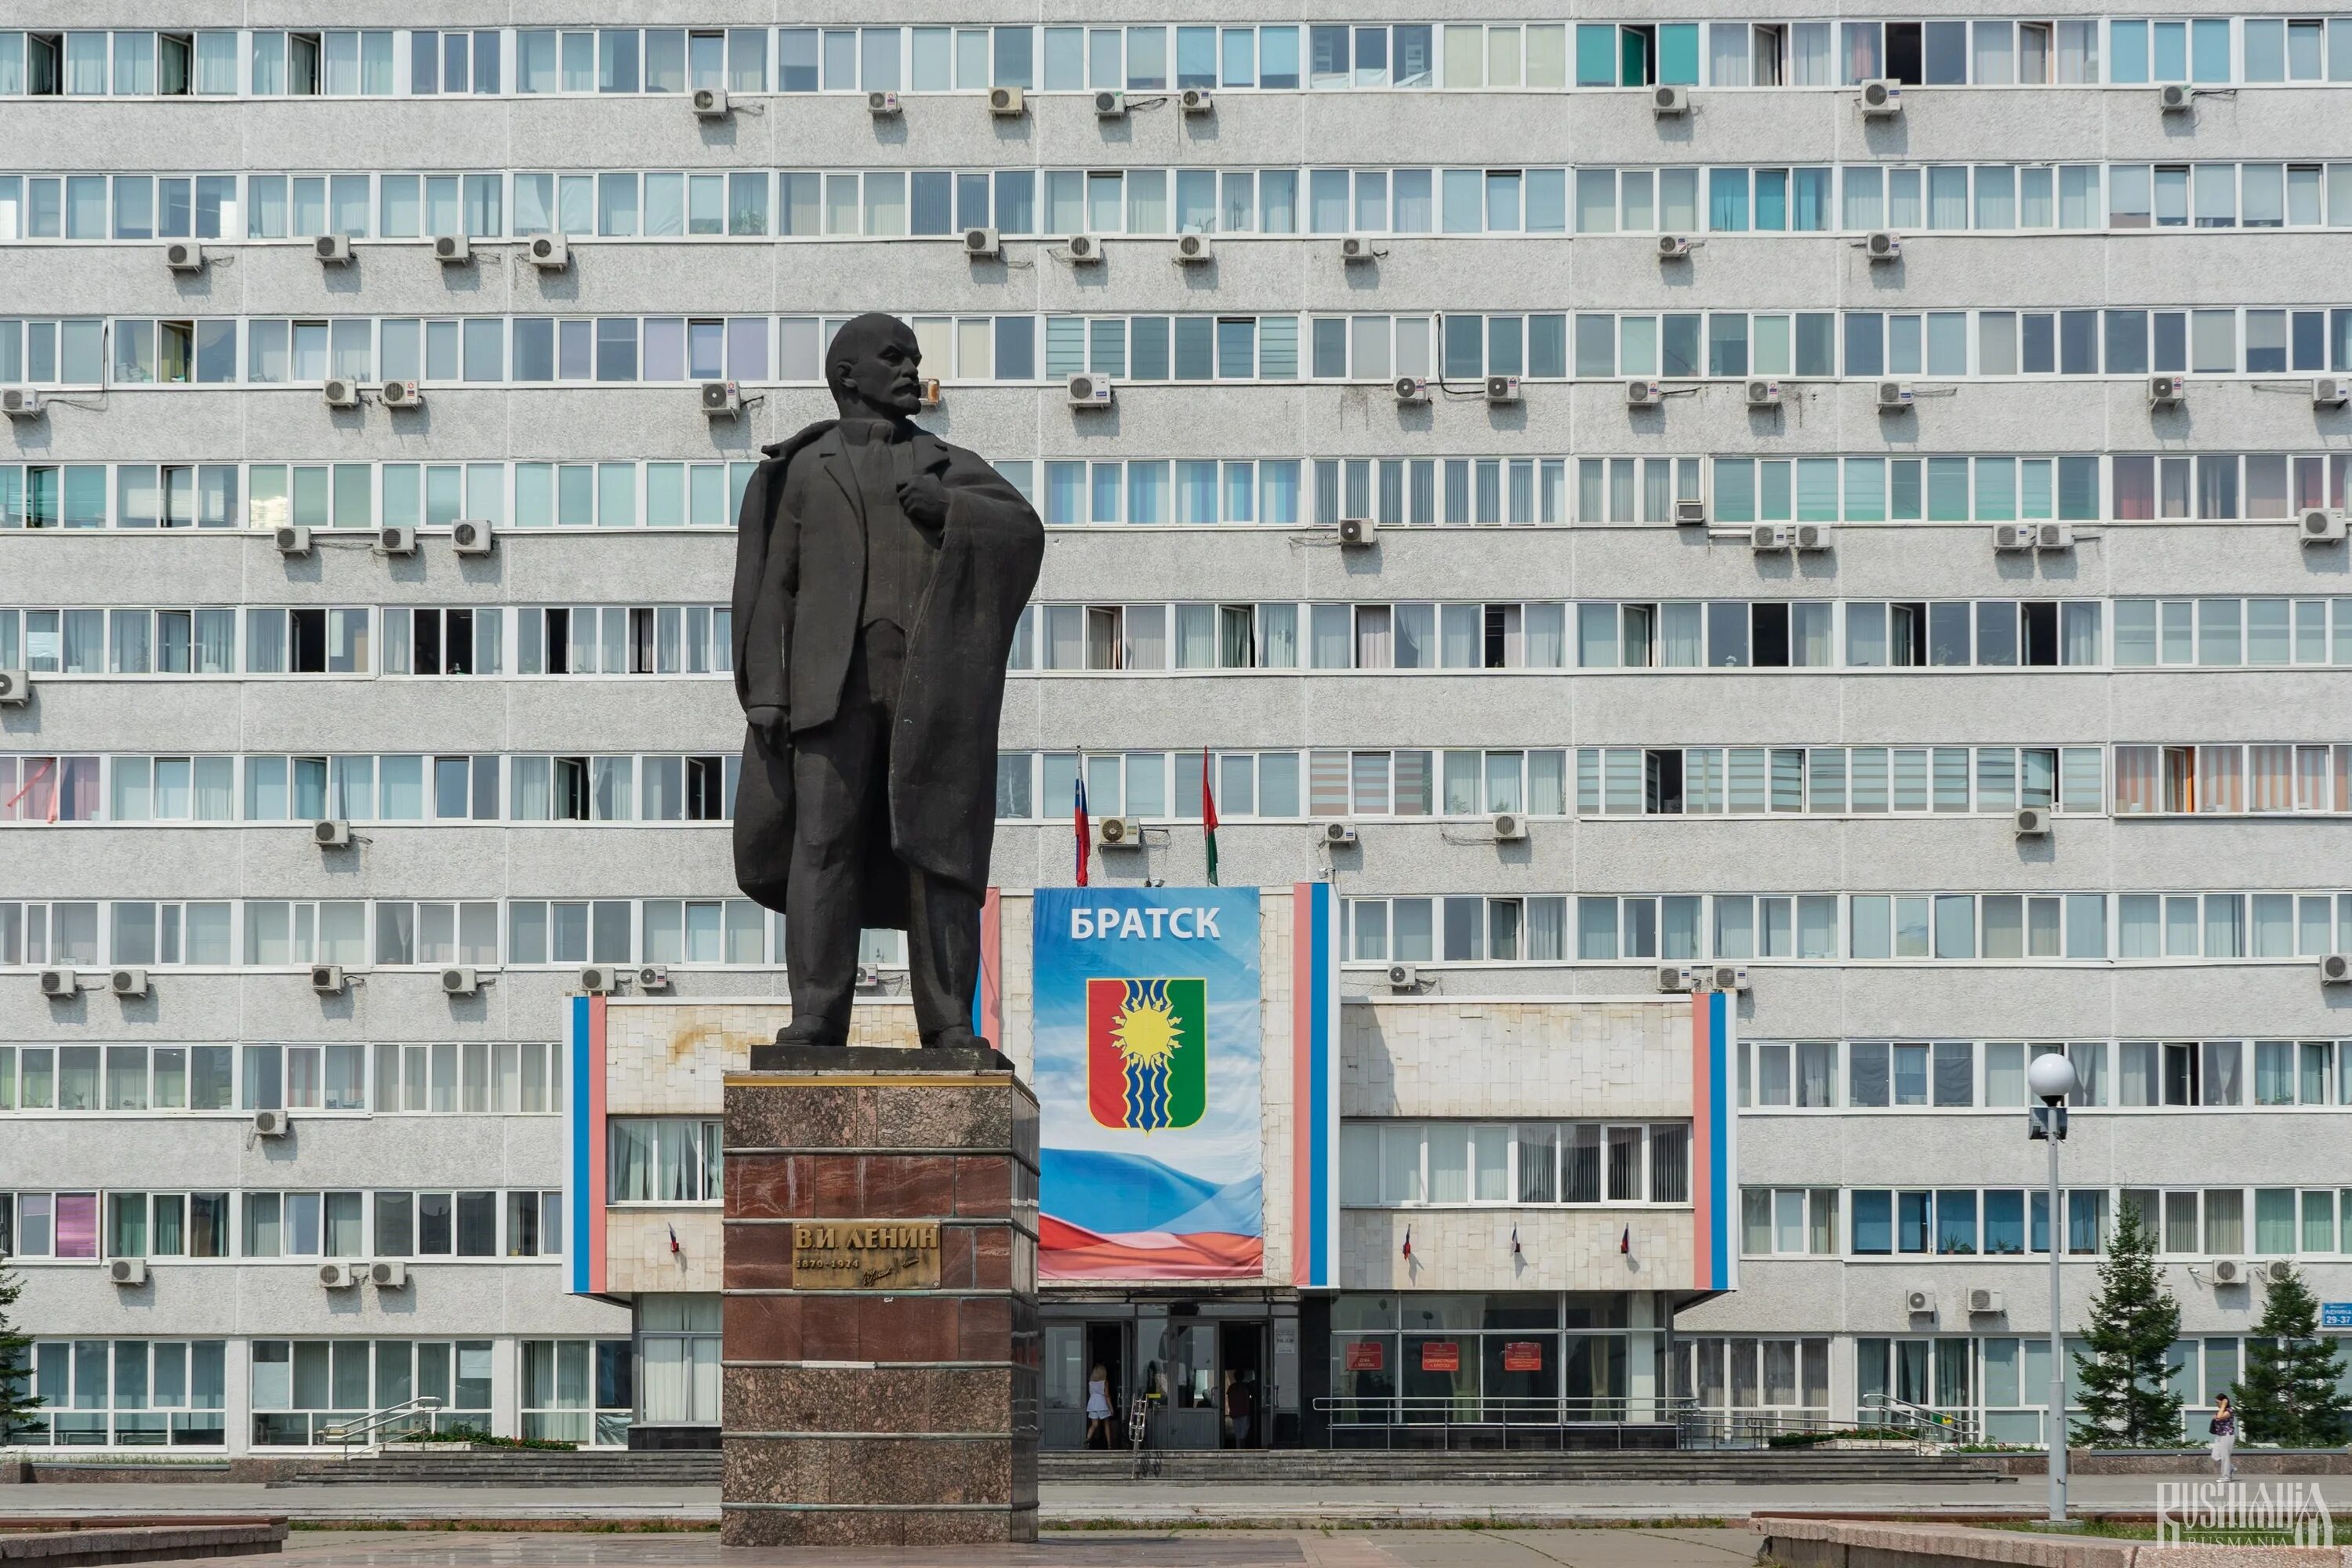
1843 1300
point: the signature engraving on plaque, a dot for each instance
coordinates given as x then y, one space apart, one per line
835 1256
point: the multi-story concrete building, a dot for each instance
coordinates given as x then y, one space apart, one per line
1857 500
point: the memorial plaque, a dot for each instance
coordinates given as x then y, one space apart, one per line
863 1256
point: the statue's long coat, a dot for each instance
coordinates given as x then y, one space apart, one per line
800 570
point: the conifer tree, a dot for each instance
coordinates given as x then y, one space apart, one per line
2290 1395
2127 1397
16 1361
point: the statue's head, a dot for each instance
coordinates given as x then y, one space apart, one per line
873 368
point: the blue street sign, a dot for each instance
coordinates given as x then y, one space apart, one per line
2335 1314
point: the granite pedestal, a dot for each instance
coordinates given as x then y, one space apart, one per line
881 1351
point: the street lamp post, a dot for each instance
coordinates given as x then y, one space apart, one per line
2052 1078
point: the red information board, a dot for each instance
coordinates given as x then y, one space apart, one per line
1522 1356
1441 1355
1363 1356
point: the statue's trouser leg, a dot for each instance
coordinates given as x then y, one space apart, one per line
841 795
942 957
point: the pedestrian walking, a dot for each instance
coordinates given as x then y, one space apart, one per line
2225 1437
1098 1411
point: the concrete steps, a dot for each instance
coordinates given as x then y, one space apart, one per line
1321 1466
519 1467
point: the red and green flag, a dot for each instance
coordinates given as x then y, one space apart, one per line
1147 1052
1208 817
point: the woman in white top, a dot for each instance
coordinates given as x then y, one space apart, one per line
1098 1411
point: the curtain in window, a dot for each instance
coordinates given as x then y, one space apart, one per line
2270 778
2219 771
631 1161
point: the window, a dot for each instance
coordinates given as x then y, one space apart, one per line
1395 1163
664 1160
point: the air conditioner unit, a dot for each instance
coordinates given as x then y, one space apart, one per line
1919 1302
128 1271
2331 391
1510 826
2012 536
2321 526
460 980
983 244
270 1124
1982 1300
2174 97
327 979
653 977
1643 395
1815 536
1087 391
402 395
452 249
1676 977
332 250
1725 976
339 392
20 403
709 103
2335 969
1110 106
1007 101
1895 397
1771 536
1689 514
1194 247
721 399
473 537
291 540
548 253
399 540
1356 247
1083 248
869 976
60 982
1669 101
600 980
1883 245
1674 246
1338 832
1411 389
1196 100
1118 832
129 981
1355 532
881 103
388 1275
2275 1271
330 835
1403 977
183 256
1502 389
1763 393
16 687
2030 822
2164 390
2053 535
337 1275
1882 97
2229 1271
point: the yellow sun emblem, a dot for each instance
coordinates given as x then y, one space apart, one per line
1147 1033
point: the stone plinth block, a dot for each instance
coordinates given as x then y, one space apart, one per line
881 1342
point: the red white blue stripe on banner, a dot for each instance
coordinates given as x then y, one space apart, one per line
1715 1144
583 1148
1315 1086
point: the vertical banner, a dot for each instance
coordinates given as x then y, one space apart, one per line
1315 1084
1715 1143
1148 1058
583 1148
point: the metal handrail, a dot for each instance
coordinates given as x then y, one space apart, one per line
347 1432
1503 1413
1931 1425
